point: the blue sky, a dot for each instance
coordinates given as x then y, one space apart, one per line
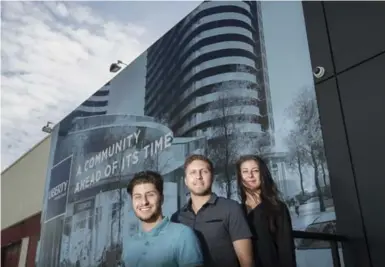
54 55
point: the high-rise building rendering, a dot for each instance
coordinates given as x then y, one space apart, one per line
211 65
97 104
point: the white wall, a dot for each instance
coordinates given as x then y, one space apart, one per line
22 185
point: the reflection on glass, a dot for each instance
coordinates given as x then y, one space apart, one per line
232 78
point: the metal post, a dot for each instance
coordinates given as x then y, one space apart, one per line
335 254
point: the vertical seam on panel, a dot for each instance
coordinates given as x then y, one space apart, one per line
346 134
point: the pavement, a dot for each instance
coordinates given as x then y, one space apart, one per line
307 214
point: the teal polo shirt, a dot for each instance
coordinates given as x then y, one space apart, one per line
168 244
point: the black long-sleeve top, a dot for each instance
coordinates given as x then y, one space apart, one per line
272 249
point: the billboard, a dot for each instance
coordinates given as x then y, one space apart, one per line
219 83
58 189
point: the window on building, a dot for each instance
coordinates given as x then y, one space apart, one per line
10 255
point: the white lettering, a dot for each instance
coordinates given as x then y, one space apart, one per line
79 171
135 157
57 190
104 154
129 139
107 171
88 181
158 145
91 162
77 188
128 159
136 134
114 167
111 150
86 165
118 147
168 140
98 158
146 151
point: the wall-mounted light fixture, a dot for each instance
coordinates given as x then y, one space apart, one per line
115 67
47 128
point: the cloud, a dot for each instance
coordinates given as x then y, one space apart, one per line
54 56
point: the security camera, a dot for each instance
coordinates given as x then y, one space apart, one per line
319 72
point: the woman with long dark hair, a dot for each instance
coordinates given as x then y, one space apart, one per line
268 216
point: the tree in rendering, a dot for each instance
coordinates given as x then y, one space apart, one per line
305 139
228 140
223 145
297 157
164 119
158 162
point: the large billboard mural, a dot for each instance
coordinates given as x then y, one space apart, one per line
231 78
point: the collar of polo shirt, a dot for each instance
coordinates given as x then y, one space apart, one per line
212 200
157 229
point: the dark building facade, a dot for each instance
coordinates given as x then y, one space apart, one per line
347 40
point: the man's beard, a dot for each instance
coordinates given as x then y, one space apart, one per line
153 217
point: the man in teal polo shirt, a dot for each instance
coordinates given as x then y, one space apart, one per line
159 243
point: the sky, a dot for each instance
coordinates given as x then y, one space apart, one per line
54 55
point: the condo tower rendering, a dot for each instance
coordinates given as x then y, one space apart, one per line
209 70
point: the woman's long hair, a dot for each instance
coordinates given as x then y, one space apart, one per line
269 193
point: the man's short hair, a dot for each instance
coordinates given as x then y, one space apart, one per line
194 157
146 177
